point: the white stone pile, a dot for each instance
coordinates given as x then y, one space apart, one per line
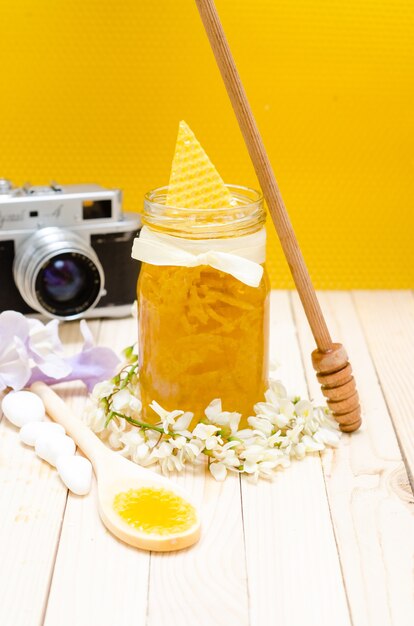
26 410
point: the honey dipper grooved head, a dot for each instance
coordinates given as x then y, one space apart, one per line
331 361
337 378
338 385
349 428
339 393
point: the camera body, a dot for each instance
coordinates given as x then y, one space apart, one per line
65 251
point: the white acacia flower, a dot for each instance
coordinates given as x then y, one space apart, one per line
261 424
168 418
95 417
218 470
327 436
227 456
267 410
121 400
167 460
163 451
287 408
304 409
311 445
276 392
207 434
182 423
141 454
311 426
324 417
253 454
103 389
170 464
215 414
117 425
135 404
113 441
134 446
244 434
186 450
131 439
294 433
262 462
298 451
276 439
152 438
272 413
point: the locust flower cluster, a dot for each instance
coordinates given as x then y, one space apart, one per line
281 429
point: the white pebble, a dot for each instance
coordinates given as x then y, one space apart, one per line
76 473
30 432
23 407
50 446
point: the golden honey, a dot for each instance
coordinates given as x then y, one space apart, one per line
202 335
155 511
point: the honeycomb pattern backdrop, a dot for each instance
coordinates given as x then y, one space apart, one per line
92 91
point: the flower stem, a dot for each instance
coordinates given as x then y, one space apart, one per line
137 423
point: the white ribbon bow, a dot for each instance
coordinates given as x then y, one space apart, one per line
240 257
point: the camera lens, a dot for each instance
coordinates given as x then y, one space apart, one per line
67 284
58 273
62 279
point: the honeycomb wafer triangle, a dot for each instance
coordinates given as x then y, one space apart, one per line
194 181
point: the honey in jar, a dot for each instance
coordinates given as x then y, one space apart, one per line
203 292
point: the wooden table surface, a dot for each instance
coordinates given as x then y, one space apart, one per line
329 543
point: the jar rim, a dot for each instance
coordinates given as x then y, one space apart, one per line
245 216
151 196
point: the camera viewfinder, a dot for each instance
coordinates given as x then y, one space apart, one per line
96 209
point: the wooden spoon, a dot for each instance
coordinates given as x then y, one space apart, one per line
116 475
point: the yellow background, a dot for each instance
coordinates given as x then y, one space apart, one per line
92 91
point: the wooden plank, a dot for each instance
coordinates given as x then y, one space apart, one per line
367 486
32 504
387 318
97 579
206 584
293 566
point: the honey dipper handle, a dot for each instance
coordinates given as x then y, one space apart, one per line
266 177
59 411
264 172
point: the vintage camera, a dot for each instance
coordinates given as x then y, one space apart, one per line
65 251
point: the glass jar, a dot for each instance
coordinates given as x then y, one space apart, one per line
203 333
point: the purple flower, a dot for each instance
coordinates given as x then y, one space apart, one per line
91 365
14 366
32 351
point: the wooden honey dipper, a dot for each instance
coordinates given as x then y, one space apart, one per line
330 359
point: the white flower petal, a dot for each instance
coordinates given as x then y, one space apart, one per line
281 421
213 409
204 431
327 436
287 408
121 399
261 424
311 445
304 408
218 470
183 422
